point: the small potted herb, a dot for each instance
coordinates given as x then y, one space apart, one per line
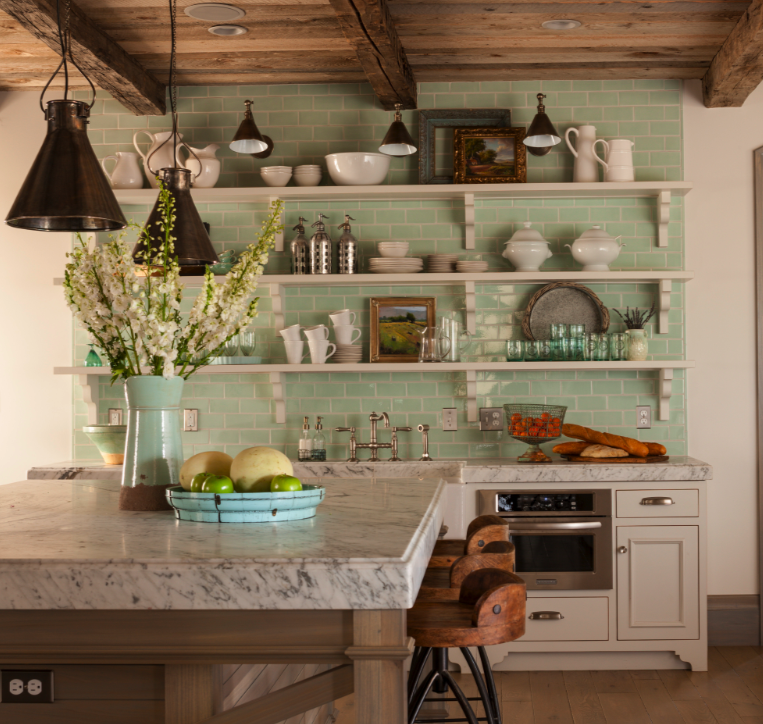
638 346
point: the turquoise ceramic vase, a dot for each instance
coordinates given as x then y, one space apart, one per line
154 450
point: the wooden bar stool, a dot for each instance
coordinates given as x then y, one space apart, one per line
482 531
490 610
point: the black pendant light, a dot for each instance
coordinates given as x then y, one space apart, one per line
66 189
193 246
398 141
248 138
541 135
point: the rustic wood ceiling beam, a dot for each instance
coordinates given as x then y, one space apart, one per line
737 69
109 66
369 29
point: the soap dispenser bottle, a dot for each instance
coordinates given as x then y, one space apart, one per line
347 248
305 442
321 249
319 442
300 250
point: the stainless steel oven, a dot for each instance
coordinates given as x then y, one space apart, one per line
563 538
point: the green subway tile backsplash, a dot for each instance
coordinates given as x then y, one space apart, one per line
308 121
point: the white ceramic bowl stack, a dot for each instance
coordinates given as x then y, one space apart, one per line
393 249
308 175
471 267
276 175
441 263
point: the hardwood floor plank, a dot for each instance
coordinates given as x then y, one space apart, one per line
549 698
513 685
679 686
716 662
742 658
517 712
749 709
613 682
736 690
646 674
624 708
583 698
657 701
695 712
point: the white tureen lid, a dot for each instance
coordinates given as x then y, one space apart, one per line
596 232
526 234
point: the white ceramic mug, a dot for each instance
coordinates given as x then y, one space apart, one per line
291 334
319 332
294 351
344 334
319 350
344 317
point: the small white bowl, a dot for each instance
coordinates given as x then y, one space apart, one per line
393 253
272 169
276 178
304 179
358 168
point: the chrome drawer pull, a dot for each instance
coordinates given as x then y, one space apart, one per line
546 616
657 501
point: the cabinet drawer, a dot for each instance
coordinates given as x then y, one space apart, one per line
584 619
654 503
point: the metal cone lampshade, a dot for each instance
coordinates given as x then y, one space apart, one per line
66 189
541 133
398 141
248 138
193 247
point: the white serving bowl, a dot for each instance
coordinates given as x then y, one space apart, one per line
394 253
276 178
358 168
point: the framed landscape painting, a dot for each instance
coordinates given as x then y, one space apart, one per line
490 155
396 324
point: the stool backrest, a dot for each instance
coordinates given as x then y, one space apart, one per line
467 564
499 598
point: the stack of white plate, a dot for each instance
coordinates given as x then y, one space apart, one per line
393 249
308 175
348 353
471 266
406 265
441 263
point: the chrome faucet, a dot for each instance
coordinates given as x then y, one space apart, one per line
374 446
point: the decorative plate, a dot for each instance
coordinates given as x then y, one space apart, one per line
564 303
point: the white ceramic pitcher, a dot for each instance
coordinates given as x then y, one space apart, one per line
205 167
619 159
585 170
126 173
164 157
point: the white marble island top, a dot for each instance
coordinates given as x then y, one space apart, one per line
65 545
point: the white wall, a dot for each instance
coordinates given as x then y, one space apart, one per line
35 324
718 146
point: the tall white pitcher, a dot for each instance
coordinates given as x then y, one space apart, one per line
126 173
157 158
585 170
619 159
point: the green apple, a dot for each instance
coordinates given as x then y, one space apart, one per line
217 484
283 482
197 482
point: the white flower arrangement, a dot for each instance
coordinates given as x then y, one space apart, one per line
137 322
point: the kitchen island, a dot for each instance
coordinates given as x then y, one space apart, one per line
84 583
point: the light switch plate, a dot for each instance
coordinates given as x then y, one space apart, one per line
643 417
190 420
449 418
491 419
115 416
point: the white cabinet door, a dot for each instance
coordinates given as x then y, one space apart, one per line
657 582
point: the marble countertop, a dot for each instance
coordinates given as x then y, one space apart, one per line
65 545
476 470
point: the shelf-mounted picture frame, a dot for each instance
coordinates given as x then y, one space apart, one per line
396 323
431 120
489 156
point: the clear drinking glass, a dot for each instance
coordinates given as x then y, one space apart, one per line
577 330
602 351
532 350
591 346
545 349
618 348
231 347
559 331
515 350
247 342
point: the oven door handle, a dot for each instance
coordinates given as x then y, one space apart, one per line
554 526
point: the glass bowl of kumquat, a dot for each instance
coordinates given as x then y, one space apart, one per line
534 424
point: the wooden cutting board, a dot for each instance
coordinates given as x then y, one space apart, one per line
629 460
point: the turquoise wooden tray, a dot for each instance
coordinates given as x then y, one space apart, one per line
245 507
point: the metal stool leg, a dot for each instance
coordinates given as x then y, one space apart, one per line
417 666
490 681
463 702
417 700
440 663
486 701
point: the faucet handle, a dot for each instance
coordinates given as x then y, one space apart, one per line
423 428
402 429
345 429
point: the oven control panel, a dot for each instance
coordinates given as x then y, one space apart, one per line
545 502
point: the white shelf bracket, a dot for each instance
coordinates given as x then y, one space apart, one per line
663 217
665 392
89 385
469 221
471 307
279 234
279 307
664 288
276 379
471 396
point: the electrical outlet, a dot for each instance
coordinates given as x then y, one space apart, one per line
449 418
190 420
115 416
643 417
26 687
491 418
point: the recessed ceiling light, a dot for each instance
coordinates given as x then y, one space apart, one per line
562 24
228 30
215 12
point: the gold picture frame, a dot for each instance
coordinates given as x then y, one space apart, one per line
489 156
392 340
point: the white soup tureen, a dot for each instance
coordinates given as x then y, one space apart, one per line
527 249
595 249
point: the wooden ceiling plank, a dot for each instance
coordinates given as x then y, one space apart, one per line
448 75
109 66
737 69
253 61
576 9
369 29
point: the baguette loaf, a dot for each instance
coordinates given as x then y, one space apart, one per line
570 448
603 451
656 449
631 446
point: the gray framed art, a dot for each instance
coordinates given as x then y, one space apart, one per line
432 119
